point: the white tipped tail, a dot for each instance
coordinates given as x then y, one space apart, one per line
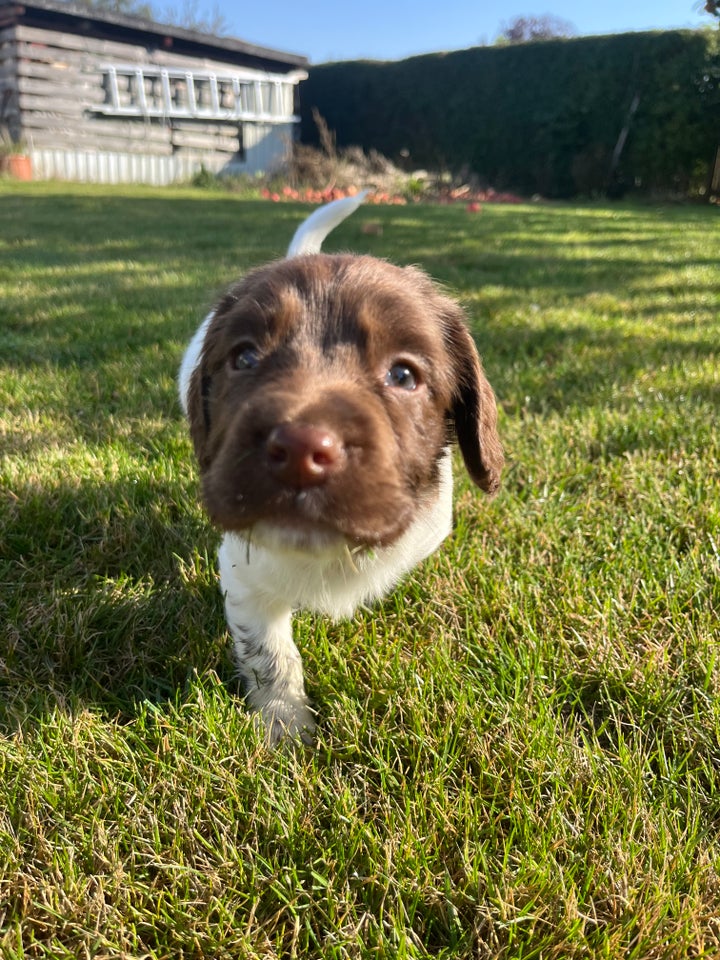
309 235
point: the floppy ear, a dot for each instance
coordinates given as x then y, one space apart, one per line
195 379
198 412
195 384
473 410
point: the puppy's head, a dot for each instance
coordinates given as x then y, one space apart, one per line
326 392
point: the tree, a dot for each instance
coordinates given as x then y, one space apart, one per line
527 29
132 8
189 14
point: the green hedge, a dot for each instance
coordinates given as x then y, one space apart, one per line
538 117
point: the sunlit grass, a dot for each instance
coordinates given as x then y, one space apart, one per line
518 751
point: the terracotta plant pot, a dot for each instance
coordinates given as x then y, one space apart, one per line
18 165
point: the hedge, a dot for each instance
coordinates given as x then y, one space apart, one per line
541 117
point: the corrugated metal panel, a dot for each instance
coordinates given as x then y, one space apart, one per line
104 167
266 148
266 145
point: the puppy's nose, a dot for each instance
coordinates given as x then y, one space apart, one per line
301 455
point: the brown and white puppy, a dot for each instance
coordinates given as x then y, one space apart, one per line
323 394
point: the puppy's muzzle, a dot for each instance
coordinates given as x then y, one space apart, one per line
301 455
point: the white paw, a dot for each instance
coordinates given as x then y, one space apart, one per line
287 719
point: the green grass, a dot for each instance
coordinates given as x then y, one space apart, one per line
519 750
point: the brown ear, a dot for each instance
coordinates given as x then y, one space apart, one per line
198 406
474 410
200 386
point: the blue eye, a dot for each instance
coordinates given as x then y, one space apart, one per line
245 357
401 376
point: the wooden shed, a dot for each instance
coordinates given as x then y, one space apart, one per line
105 97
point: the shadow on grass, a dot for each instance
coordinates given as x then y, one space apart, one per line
108 598
85 226
90 278
663 724
560 366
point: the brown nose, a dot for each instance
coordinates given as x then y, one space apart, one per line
301 455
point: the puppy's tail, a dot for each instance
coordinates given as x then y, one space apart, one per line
309 235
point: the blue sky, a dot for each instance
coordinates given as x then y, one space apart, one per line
386 30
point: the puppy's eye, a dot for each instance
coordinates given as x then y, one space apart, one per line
245 357
402 376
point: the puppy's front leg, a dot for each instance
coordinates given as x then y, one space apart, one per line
268 661
270 669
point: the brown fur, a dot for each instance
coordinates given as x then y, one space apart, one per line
327 329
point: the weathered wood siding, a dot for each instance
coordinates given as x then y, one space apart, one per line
52 90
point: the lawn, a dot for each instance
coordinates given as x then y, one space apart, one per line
519 750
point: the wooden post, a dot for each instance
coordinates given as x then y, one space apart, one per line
715 180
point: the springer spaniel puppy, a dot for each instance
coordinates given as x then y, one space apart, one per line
323 394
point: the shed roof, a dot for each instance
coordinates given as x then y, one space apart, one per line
80 19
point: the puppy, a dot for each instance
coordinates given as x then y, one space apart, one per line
323 394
